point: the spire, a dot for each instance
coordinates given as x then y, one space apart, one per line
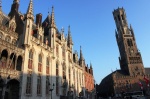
53 18
90 65
81 55
30 10
69 37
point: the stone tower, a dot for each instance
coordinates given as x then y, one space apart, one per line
130 58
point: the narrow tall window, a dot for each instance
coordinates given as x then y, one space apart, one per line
69 76
39 85
57 50
47 66
40 63
63 53
64 71
47 85
28 86
57 79
30 61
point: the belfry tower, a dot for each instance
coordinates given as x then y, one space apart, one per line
130 58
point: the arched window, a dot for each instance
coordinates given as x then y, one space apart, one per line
28 83
3 58
12 61
47 65
19 63
57 79
30 61
40 63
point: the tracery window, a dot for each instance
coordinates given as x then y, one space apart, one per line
40 63
30 61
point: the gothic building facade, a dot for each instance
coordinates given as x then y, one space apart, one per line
37 61
132 75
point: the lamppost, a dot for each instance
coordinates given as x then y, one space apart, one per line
51 89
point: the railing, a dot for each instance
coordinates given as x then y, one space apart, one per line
39 43
14 74
11 46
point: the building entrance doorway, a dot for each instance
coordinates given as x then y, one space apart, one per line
11 90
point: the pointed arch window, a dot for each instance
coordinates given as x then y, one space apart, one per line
57 79
40 63
29 83
30 61
47 66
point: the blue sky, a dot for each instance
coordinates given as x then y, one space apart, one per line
93 27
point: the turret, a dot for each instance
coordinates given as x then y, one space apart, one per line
91 69
29 21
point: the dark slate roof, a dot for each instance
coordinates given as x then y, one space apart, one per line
147 71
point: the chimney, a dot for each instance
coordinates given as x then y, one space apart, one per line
39 19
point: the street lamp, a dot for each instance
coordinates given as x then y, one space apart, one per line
51 89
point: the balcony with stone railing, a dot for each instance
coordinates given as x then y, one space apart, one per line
11 46
14 74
